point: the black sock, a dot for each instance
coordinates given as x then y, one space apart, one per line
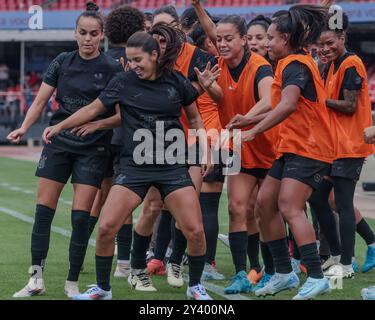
92 224
209 202
103 271
311 260
344 194
138 254
296 253
163 236
41 235
196 266
323 213
365 231
269 267
253 251
179 247
238 248
78 242
280 253
124 242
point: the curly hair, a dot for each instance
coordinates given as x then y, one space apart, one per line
122 22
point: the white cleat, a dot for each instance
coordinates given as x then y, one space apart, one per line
340 271
71 289
140 280
122 270
174 275
197 292
331 261
35 287
94 293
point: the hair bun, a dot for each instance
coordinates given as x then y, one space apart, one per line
262 18
92 6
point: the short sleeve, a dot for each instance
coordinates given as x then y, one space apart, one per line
352 80
111 95
200 60
296 73
263 72
51 76
187 92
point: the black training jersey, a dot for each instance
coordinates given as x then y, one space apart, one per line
199 60
117 53
79 82
143 103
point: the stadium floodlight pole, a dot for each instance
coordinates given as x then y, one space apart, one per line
22 73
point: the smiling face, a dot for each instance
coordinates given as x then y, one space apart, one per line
229 41
88 34
331 45
278 47
142 63
257 39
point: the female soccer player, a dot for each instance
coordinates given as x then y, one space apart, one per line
305 149
246 81
79 77
350 109
151 94
120 24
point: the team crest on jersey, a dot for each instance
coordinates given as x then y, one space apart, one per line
42 162
172 94
98 76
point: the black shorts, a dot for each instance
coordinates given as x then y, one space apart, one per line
216 175
58 165
348 168
166 179
114 161
258 173
305 170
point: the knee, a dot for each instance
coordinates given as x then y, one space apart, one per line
106 233
237 210
152 209
80 220
263 205
195 235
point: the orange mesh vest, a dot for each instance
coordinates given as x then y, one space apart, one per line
206 106
349 128
239 98
306 132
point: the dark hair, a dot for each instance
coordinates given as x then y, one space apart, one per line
260 20
303 23
122 22
198 36
169 9
189 17
92 11
240 24
148 44
338 31
149 16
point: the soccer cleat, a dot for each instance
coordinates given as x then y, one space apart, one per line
368 293
296 265
210 273
122 270
239 283
224 239
71 288
355 266
262 282
197 292
254 276
35 287
94 293
185 259
312 288
340 271
331 261
174 275
140 280
157 267
277 283
370 260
